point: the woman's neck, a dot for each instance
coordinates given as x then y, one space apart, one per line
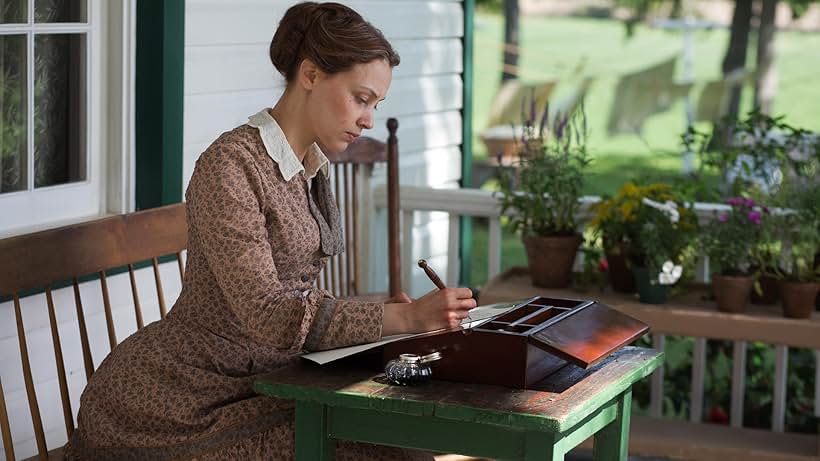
290 115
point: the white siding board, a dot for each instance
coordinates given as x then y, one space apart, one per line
254 21
205 65
209 114
425 134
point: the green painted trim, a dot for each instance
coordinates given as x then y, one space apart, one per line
466 248
160 67
434 434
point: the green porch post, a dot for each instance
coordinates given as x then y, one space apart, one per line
159 85
466 250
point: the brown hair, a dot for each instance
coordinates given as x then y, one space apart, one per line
331 35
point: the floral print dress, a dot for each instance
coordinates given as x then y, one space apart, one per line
261 226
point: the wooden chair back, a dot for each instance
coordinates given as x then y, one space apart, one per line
42 260
350 173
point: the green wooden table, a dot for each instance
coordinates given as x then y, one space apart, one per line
347 403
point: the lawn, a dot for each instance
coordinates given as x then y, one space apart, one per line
556 47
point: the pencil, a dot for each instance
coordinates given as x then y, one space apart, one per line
431 274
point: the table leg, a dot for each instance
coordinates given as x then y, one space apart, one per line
612 442
542 447
312 441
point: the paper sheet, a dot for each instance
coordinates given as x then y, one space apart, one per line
477 316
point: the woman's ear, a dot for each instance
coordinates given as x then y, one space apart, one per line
308 74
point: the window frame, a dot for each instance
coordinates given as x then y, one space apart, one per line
38 207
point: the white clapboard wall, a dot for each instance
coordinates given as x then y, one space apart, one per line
228 76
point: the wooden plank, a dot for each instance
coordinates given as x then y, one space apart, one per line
689 315
253 21
698 372
656 389
781 370
494 248
738 383
253 71
711 442
35 260
817 386
5 429
407 97
453 257
560 404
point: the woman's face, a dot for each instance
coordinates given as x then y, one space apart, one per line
341 105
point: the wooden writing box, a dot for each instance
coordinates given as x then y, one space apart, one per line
525 344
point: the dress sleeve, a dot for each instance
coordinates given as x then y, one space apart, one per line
225 213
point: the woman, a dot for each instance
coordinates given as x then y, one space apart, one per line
262 224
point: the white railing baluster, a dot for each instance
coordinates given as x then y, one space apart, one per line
494 248
817 383
781 368
696 392
453 244
738 383
656 386
407 251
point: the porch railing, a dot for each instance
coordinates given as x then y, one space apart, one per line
482 204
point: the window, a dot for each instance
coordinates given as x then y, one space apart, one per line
51 166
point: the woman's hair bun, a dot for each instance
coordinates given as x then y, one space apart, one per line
331 35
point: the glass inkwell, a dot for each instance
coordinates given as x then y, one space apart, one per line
410 369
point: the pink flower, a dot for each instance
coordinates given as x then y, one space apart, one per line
754 216
723 217
735 201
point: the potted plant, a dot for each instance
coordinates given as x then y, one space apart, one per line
797 270
729 241
541 194
614 220
656 243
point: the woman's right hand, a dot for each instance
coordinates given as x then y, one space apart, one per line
437 309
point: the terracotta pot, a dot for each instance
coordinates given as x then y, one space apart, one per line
620 276
798 298
732 292
770 291
648 292
550 259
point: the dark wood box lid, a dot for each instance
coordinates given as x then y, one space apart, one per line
586 333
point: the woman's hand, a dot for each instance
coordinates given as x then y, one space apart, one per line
438 309
401 298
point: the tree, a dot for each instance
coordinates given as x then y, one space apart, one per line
510 69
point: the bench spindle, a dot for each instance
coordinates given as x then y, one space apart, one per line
698 372
58 356
352 251
181 265
78 303
347 222
37 422
160 293
109 317
135 295
5 430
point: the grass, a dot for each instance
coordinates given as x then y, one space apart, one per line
554 48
